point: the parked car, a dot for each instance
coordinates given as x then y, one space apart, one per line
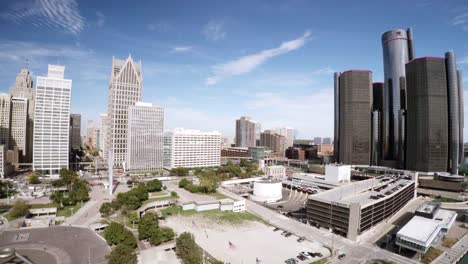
300 239
288 234
300 257
284 233
318 254
341 256
276 229
305 255
312 254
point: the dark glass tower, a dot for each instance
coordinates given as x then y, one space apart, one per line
397 50
377 108
355 106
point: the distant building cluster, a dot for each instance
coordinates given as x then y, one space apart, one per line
413 120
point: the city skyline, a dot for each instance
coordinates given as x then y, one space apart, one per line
202 71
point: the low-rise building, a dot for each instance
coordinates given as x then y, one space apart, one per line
352 209
337 173
43 212
426 228
276 171
223 205
295 153
235 152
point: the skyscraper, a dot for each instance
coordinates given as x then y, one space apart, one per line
23 88
317 140
124 90
377 112
397 50
355 105
145 137
52 121
18 131
75 131
5 113
90 135
103 133
287 132
246 132
274 141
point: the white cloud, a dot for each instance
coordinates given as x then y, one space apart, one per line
180 49
463 60
55 14
250 62
101 19
287 80
311 114
214 30
160 26
461 21
324 71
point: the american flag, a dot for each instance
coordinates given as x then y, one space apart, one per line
257 261
231 245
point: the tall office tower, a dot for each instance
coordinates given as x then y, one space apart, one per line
90 135
274 141
326 140
317 140
23 88
191 148
428 115
287 132
124 90
377 110
18 131
3 163
103 133
75 131
5 124
355 97
145 137
96 138
246 132
397 50
454 122
461 117
52 121
336 94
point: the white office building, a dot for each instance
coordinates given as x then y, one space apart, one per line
288 133
19 121
145 137
103 133
191 148
124 90
52 121
5 113
3 163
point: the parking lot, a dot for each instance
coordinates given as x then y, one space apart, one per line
247 242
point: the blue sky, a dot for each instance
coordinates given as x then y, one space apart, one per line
209 62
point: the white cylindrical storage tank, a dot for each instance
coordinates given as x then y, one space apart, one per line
267 190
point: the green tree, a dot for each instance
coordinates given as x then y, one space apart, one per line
122 254
6 188
154 186
34 179
187 250
117 234
180 171
166 234
20 208
133 217
183 183
147 225
106 209
95 153
174 194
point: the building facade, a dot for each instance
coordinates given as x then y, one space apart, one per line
295 153
90 135
19 126
23 88
191 148
125 88
75 131
288 133
103 133
317 140
5 114
355 102
433 123
52 121
246 132
397 50
277 143
3 163
145 137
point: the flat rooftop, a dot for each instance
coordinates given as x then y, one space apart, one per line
364 192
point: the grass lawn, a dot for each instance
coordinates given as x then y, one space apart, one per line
444 200
448 242
215 215
321 261
159 199
10 218
150 194
65 211
217 195
430 255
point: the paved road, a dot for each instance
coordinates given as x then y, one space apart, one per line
355 252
